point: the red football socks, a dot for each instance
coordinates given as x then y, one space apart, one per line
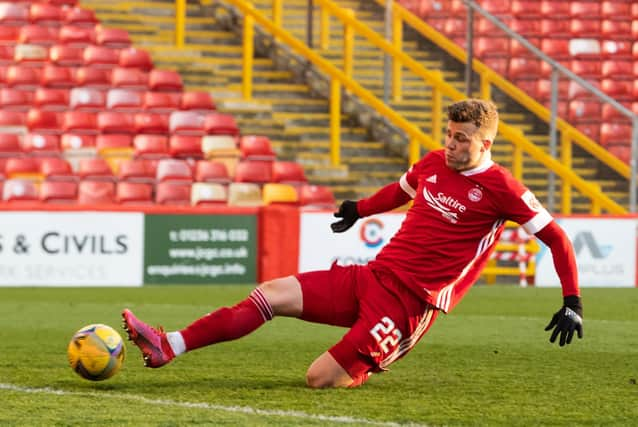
228 323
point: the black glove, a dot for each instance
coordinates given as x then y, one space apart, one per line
567 320
348 214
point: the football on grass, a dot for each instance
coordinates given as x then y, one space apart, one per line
96 352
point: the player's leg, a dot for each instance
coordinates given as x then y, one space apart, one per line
325 372
277 297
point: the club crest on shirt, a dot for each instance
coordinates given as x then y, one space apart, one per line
531 201
475 194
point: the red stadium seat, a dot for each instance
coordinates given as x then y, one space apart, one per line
57 77
614 134
556 49
576 91
96 192
485 47
164 81
558 28
59 191
101 56
589 10
524 68
186 123
66 55
526 9
288 172
11 121
14 14
151 123
255 147
586 68
46 14
129 78
197 101
251 171
19 190
98 78
211 171
220 124
10 145
113 141
115 122
616 49
162 102
26 168
173 170
499 65
134 193
124 100
112 37
23 77
95 169
618 89
615 30
150 146
36 34
43 121
80 122
588 28
611 114
41 145
80 17
582 111
615 9
51 99
87 99
135 58
555 9
168 193
15 99
9 35
57 169
185 146
7 54
137 170
617 69
72 35
316 197
623 152
526 28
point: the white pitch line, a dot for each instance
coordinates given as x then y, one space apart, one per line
203 405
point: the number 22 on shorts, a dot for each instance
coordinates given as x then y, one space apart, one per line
386 334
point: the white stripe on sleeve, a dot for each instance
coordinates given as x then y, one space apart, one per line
405 186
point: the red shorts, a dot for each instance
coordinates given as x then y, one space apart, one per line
386 319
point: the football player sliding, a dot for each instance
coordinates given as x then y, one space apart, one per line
461 201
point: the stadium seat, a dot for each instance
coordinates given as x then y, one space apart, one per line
186 123
15 99
45 145
79 122
614 134
174 171
244 194
162 102
556 49
71 35
51 99
617 69
95 169
256 147
589 28
135 58
150 146
582 111
524 68
486 47
26 168
9 35
137 170
211 171
620 90
80 17
101 56
10 145
554 9
43 121
125 100
615 30
115 122
451 27
588 10
165 81
129 78
70 56
622 152
57 77
197 101
57 169
19 77
14 14
167 193
611 114
252 171
87 99
316 197
586 68
6 55
59 191
114 141
112 37
76 147
288 172
46 14
12 121
499 65
96 192
222 148
577 91
37 34
220 124
19 190
276 193
99 78
558 28
616 10
154 123
30 55
134 193
185 146
527 28
208 194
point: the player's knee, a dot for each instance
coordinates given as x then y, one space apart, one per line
317 379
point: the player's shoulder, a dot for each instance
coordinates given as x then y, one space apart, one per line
432 157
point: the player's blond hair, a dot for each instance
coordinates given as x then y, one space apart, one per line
483 114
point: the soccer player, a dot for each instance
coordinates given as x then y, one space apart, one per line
461 200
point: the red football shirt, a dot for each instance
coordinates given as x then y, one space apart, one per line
451 229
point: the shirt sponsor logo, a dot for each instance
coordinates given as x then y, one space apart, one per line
475 194
444 204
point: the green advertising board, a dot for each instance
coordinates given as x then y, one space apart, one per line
200 249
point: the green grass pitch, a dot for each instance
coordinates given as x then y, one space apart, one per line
489 362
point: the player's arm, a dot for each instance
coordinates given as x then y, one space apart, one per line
569 318
387 198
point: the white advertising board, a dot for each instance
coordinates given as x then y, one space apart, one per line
71 248
319 246
605 252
